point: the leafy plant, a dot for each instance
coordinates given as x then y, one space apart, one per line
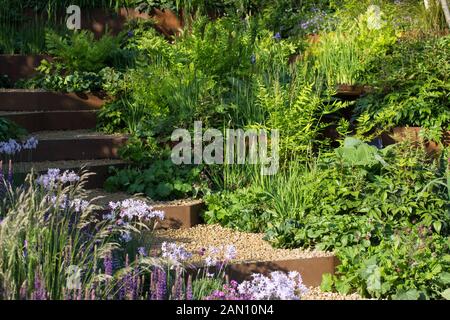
416 78
80 52
162 180
10 130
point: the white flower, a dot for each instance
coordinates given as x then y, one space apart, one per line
278 286
230 252
130 209
175 253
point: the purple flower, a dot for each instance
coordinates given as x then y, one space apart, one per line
161 285
10 147
130 209
31 143
78 205
229 292
130 33
189 294
277 36
175 253
253 59
230 252
277 286
25 248
108 264
54 176
142 251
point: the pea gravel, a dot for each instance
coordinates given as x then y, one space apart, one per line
315 293
249 246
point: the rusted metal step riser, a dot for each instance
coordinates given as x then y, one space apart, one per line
100 171
176 216
34 100
60 120
73 149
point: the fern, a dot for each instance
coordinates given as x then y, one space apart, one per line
81 52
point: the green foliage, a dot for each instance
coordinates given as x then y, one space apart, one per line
353 202
80 52
412 263
40 241
244 209
10 130
416 78
162 180
297 111
346 55
106 80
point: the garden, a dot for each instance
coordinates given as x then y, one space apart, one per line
99 98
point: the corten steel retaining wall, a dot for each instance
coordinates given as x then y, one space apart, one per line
176 216
311 269
412 134
40 100
99 21
19 66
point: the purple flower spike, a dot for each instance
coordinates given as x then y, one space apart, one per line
161 286
189 294
108 264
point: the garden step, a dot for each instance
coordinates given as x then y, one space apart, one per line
100 168
41 100
73 145
184 213
311 269
53 120
253 254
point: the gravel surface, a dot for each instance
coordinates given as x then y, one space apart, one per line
72 134
103 198
316 294
63 165
249 246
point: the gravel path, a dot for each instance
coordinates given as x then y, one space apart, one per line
249 246
316 294
63 164
72 134
103 198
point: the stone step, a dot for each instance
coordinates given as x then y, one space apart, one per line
73 145
99 168
41 100
34 121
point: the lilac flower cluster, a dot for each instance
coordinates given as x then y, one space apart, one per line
176 254
12 147
78 205
229 292
277 286
130 209
30 143
54 176
219 255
